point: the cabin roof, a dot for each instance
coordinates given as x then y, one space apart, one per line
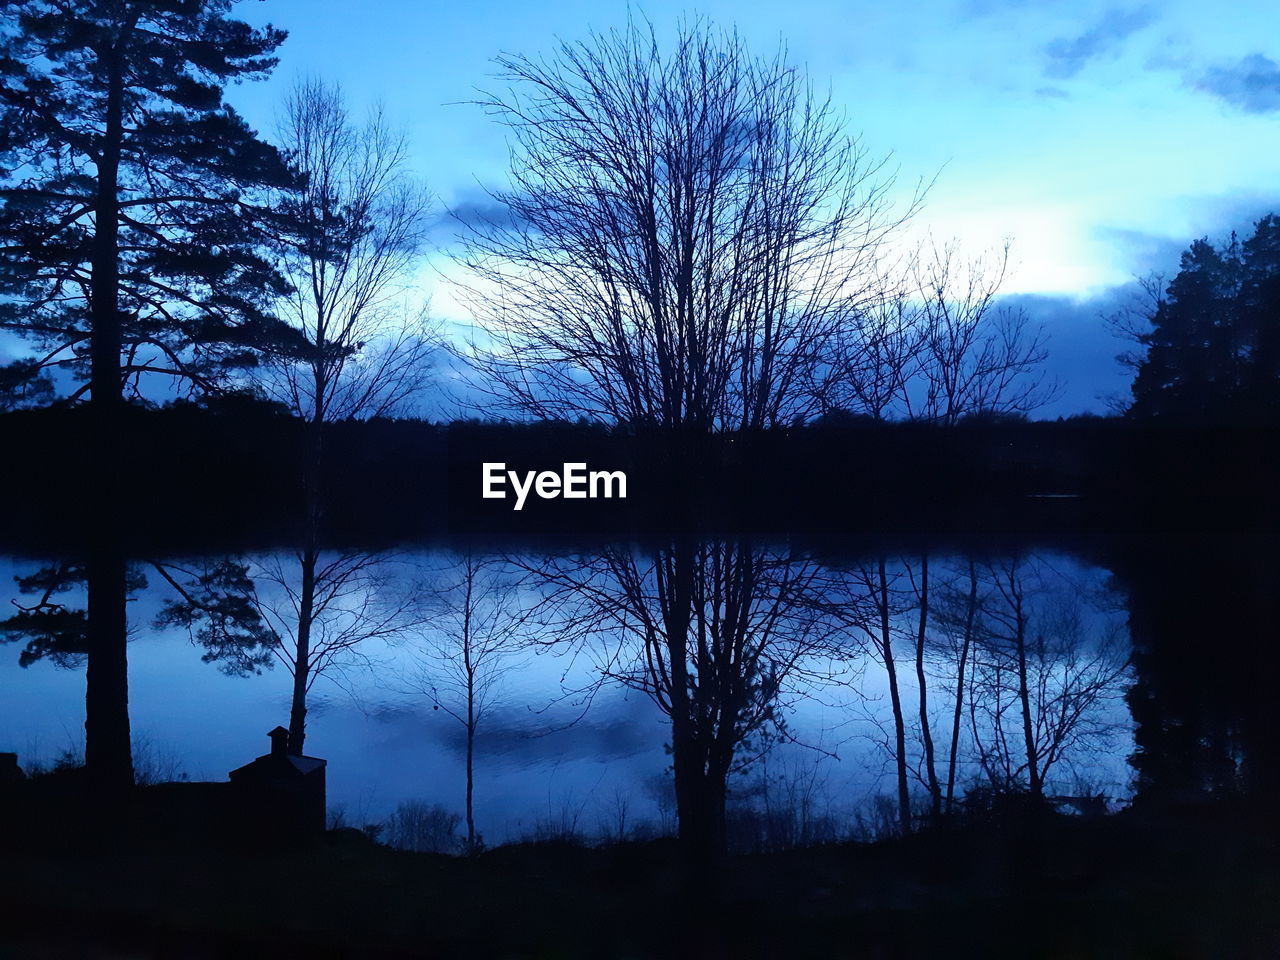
277 765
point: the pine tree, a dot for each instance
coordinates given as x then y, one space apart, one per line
129 243
1212 350
1260 312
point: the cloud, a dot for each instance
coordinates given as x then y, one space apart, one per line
1141 251
471 209
1067 56
1082 349
1252 84
1082 345
622 727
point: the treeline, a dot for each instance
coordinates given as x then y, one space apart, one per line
192 476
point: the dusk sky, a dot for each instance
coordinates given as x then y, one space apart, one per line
1100 138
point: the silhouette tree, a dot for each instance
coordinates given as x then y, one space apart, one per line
686 239
350 239
959 619
1031 659
1260 296
1038 661
866 600
1206 729
246 615
938 346
1208 349
348 234
130 242
975 356
687 236
468 646
710 631
214 601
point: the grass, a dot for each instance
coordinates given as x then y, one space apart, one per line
1110 888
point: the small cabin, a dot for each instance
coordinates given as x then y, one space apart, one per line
277 799
283 791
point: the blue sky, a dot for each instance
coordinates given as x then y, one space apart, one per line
1100 137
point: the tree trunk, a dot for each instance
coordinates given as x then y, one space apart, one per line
701 831
108 753
312 505
700 808
935 792
1024 697
971 611
471 754
302 654
895 699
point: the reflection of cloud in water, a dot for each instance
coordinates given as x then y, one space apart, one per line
614 728
630 728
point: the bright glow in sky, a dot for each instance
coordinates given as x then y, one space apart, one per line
1101 138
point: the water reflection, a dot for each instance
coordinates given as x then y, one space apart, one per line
830 697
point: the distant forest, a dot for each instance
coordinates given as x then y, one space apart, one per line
193 477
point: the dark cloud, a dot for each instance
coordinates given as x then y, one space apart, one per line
1252 84
1142 252
1082 345
623 727
1082 349
469 211
1215 216
1067 56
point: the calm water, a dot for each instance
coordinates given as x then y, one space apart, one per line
562 746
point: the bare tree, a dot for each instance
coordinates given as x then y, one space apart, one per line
1016 659
321 621
866 600
938 345
962 623
351 240
710 631
878 356
249 614
1039 670
468 645
685 240
974 355
920 585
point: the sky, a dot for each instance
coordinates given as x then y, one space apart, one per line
1101 138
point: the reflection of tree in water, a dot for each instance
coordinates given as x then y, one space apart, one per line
1045 677
710 631
1005 642
314 612
1019 668
1206 661
466 644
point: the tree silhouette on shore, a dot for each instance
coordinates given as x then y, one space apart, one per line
131 247
1211 342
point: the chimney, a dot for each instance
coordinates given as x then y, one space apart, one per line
279 742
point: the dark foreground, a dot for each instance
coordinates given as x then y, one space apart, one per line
1058 887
